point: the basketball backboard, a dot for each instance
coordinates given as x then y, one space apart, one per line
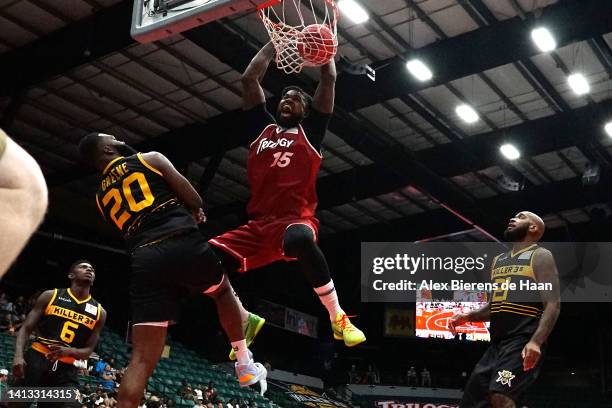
153 20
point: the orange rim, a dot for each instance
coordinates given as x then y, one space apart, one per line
271 3
268 4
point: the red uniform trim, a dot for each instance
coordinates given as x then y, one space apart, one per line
234 253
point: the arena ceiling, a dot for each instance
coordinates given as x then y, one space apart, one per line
396 155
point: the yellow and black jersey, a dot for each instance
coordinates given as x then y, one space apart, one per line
67 321
509 317
135 198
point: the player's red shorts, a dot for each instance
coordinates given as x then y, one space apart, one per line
260 242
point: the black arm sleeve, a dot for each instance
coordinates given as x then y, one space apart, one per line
315 126
255 120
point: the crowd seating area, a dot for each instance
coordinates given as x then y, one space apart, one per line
183 365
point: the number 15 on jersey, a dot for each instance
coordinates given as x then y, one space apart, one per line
281 159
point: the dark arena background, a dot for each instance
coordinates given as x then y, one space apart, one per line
400 162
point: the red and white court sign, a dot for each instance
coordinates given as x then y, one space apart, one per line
395 404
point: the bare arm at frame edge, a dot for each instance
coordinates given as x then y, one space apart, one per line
23 200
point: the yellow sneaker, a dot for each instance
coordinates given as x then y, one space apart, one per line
345 330
253 326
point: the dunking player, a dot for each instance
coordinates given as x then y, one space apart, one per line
519 330
68 323
283 162
157 210
23 199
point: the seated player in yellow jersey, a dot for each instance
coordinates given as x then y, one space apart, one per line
23 199
67 323
520 324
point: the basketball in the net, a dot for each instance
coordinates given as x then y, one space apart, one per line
316 44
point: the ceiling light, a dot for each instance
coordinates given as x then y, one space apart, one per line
579 84
419 70
510 151
543 39
467 113
608 128
353 11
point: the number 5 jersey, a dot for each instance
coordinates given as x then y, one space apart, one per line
511 314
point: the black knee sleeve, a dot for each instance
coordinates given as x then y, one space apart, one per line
298 240
299 243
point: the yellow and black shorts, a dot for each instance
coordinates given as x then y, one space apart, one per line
500 370
40 372
164 270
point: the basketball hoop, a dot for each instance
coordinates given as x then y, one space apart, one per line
302 34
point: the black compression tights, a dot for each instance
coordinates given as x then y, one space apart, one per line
299 243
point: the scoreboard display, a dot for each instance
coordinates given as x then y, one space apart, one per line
432 317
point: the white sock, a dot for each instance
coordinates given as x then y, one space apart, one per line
241 350
328 296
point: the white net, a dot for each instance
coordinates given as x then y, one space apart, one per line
303 32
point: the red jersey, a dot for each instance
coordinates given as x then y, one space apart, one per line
282 167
